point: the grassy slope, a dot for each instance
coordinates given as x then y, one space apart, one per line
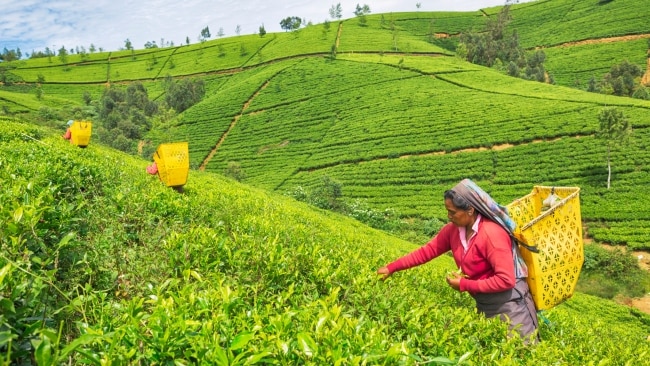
321 118
311 117
309 114
227 271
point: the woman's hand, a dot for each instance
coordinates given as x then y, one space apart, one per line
453 279
384 273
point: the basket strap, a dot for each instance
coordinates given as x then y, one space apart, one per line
530 248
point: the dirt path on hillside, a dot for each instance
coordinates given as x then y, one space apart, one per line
232 125
630 37
642 303
646 77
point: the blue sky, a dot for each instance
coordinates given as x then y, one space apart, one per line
32 25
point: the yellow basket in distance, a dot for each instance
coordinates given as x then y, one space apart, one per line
80 133
557 232
173 161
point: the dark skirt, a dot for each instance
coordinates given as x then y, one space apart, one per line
514 306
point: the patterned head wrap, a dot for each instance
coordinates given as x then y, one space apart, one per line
489 208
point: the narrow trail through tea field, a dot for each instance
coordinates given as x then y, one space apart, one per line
232 125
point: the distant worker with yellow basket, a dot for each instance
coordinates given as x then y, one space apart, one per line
171 164
78 132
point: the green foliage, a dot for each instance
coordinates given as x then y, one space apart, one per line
611 272
184 93
614 126
570 69
360 12
234 171
229 274
395 131
291 23
7 77
124 116
615 130
336 11
621 79
205 34
329 195
485 48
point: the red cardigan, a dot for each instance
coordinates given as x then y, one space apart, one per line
488 262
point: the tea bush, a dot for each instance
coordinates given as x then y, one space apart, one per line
103 264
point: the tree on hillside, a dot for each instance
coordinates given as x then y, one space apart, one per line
205 34
290 23
621 79
184 93
129 46
221 33
49 53
361 12
615 130
326 28
124 116
63 55
262 32
336 12
10 55
499 49
485 48
238 29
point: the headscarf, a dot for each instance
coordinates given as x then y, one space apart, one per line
488 207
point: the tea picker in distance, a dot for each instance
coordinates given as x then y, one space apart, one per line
68 133
171 164
491 268
78 133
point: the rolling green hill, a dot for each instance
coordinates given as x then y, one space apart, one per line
101 263
393 117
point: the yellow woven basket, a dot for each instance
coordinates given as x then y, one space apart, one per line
557 232
173 161
80 133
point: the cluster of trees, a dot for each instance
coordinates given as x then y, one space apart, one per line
10 55
6 76
184 93
623 79
291 23
336 11
499 49
360 12
126 115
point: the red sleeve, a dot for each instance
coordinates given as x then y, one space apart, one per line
498 251
68 134
438 245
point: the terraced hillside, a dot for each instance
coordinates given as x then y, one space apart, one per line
392 114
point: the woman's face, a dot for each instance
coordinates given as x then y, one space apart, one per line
458 216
